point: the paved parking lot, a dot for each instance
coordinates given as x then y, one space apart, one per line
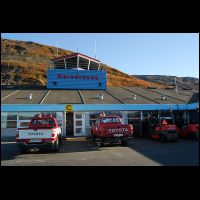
139 152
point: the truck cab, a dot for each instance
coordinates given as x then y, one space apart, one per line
42 133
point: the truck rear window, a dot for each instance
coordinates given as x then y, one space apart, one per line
110 120
43 122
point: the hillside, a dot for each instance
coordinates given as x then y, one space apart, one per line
26 63
182 82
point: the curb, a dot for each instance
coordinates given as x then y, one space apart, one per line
76 139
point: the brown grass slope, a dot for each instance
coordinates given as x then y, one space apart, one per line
26 63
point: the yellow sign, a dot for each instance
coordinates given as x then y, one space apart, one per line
69 108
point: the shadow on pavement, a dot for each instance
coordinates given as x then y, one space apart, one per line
9 151
181 153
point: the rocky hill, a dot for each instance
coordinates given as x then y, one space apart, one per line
26 63
169 81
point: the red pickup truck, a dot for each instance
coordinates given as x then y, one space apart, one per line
43 132
110 128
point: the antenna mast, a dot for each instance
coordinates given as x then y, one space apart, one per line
95 49
57 48
77 47
176 89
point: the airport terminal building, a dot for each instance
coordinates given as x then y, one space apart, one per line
77 93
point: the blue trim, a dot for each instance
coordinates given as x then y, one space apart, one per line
31 107
95 107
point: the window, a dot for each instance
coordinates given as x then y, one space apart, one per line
8 120
78 123
110 120
78 115
25 118
24 124
78 130
27 115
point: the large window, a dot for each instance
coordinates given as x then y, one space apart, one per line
8 120
22 119
25 118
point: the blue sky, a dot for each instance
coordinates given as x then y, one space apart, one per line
134 53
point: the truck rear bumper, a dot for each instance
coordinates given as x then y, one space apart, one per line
43 145
116 139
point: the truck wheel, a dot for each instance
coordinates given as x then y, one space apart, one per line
60 139
101 143
56 146
124 142
191 136
93 137
162 138
23 150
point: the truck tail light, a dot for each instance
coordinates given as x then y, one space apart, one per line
53 135
104 130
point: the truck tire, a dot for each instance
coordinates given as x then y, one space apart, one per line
56 146
93 137
124 142
60 139
191 136
162 138
101 143
23 150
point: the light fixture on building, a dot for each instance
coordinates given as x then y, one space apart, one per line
30 96
134 97
101 96
163 97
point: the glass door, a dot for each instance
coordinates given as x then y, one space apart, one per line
79 124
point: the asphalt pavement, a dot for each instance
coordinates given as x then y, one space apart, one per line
138 152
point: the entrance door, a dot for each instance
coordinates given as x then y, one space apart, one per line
79 124
69 124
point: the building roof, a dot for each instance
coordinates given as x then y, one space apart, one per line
75 55
113 95
76 60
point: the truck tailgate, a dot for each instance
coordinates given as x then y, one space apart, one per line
119 129
35 134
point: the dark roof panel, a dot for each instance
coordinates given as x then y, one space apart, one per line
5 93
93 97
62 97
180 97
126 96
22 97
149 94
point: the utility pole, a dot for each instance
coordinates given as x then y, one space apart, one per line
57 49
176 88
95 49
77 47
